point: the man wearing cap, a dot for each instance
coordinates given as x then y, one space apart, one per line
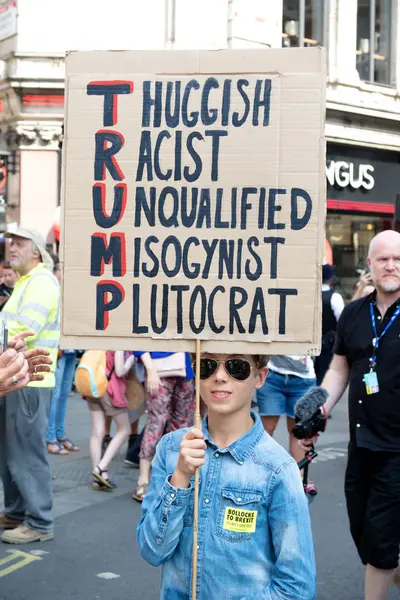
332 306
24 467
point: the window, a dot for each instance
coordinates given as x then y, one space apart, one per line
374 19
303 22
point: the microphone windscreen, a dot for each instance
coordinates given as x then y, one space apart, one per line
307 406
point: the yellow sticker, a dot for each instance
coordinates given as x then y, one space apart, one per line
236 519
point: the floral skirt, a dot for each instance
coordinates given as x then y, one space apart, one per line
171 407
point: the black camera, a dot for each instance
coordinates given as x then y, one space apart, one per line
309 427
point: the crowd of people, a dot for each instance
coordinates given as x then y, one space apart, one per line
251 489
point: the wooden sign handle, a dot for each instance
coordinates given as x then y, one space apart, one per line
196 479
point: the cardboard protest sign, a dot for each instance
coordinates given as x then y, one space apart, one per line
194 200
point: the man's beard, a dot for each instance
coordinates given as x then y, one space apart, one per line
390 286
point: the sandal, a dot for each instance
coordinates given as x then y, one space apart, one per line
98 475
100 487
57 448
140 492
68 445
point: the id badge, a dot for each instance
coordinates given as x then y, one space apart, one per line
371 383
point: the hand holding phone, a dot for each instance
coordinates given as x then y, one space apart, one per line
3 337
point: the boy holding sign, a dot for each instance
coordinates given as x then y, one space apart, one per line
254 533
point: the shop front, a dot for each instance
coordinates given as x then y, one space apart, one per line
362 185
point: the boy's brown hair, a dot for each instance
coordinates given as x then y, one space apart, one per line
261 360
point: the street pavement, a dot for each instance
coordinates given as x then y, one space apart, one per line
94 554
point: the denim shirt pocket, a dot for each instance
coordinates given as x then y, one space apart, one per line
241 501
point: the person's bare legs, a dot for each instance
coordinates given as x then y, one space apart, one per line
294 448
270 424
144 471
107 429
134 427
123 429
98 421
377 583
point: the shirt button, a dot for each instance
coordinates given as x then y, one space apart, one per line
165 519
239 499
198 547
172 495
216 455
379 318
360 402
358 425
207 500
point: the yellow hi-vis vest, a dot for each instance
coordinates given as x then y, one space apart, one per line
34 306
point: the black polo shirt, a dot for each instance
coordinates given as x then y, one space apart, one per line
375 418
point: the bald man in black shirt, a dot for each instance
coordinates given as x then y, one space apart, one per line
367 358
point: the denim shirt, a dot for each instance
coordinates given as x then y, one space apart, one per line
265 554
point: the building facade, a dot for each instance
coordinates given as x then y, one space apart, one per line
362 38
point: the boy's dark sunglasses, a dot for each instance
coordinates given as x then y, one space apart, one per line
237 368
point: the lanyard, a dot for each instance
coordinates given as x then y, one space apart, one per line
376 340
